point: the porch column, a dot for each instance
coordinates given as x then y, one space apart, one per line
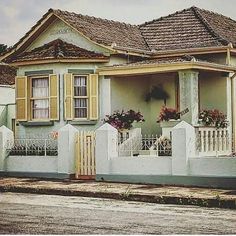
105 91
188 88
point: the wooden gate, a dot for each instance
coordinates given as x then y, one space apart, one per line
85 155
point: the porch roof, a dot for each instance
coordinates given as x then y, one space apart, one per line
161 65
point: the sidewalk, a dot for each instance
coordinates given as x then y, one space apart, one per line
132 192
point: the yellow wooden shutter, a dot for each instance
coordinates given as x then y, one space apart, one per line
54 99
68 85
21 98
93 96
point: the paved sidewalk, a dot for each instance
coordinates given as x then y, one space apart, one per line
133 192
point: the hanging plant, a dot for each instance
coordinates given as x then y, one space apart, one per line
158 93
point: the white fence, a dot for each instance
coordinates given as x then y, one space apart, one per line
213 142
32 147
136 144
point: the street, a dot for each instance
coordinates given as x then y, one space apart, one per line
51 214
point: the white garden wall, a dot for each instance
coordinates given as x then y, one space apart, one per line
27 164
183 168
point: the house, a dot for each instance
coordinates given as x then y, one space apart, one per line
76 69
66 57
7 96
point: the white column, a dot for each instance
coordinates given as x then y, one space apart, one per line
188 84
229 107
106 148
105 91
66 149
183 147
6 136
233 103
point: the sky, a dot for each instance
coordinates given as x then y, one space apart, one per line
18 16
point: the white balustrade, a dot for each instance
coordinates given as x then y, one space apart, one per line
213 142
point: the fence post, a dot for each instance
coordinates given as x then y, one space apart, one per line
106 148
66 149
183 147
6 135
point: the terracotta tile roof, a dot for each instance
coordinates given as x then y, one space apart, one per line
105 31
188 28
7 74
57 49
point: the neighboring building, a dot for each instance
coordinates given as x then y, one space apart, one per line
76 69
7 96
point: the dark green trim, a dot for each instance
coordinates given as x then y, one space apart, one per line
35 175
89 122
199 181
81 71
39 72
37 123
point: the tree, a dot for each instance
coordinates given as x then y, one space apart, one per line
3 48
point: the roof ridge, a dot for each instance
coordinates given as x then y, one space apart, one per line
163 17
208 25
93 17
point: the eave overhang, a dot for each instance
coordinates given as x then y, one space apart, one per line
165 67
50 61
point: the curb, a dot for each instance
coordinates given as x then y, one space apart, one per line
203 202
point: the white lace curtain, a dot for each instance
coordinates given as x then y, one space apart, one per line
40 89
80 86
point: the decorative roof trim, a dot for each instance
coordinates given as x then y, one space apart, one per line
50 61
29 34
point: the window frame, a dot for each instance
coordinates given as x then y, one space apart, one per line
77 97
31 98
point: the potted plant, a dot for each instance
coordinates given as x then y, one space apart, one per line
213 118
168 117
158 93
123 120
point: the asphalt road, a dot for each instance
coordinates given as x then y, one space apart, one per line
50 214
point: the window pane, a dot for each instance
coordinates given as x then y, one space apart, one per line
81 105
40 87
80 86
41 109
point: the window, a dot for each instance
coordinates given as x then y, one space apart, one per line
40 98
80 96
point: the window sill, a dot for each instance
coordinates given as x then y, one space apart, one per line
37 123
83 122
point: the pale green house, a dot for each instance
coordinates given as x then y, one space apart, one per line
76 69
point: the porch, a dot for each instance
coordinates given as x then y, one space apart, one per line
187 86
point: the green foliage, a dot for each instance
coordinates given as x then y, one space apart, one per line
124 119
3 48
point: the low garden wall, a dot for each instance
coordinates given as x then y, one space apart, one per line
182 168
28 164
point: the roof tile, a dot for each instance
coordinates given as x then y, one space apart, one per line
57 49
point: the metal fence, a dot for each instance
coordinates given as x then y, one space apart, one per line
33 147
144 145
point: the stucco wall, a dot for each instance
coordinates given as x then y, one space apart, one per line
61 69
129 93
213 91
58 29
44 164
